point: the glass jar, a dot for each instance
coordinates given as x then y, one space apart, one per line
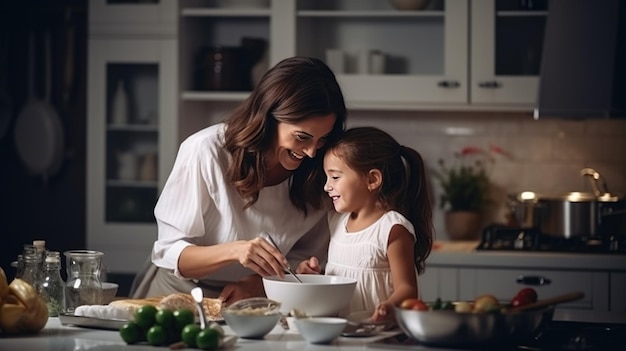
30 271
52 285
83 285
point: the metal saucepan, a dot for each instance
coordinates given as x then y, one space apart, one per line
568 215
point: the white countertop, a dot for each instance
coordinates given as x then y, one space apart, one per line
464 254
57 337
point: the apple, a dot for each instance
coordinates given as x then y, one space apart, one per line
486 303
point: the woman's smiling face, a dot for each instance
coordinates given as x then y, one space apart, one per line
302 139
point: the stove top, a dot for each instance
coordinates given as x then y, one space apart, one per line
555 336
497 237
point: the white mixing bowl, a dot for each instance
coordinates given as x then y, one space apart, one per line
317 295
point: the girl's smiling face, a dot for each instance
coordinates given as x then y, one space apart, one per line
348 189
302 139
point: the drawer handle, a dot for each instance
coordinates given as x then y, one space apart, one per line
533 280
449 84
492 84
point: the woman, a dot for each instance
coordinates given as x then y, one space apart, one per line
256 172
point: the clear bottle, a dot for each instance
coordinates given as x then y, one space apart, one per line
28 250
52 285
30 264
83 286
40 254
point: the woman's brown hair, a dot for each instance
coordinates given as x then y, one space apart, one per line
404 186
293 90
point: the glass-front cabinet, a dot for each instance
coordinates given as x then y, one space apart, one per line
385 57
506 46
450 54
132 143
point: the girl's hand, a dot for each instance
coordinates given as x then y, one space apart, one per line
310 266
262 257
383 312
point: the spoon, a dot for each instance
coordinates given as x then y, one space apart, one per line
198 296
267 237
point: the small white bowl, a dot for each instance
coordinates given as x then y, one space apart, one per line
320 330
252 318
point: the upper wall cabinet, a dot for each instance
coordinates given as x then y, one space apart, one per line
383 57
506 46
452 54
138 17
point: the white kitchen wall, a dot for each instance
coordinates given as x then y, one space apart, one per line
545 155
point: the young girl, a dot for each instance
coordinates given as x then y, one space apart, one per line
382 232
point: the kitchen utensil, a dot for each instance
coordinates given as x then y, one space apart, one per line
573 296
197 295
39 138
267 237
470 330
317 295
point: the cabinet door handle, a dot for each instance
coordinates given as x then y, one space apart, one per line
533 280
490 84
449 84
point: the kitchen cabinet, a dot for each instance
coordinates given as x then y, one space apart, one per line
455 55
464 276
506 45
131 131
618 292
425 51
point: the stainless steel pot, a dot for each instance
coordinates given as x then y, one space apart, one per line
566 215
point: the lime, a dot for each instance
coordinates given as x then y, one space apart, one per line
182 317
165 318
130 333
208 339
189 334
156 335
144 317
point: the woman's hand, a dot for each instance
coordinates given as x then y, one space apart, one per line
262 257
310 266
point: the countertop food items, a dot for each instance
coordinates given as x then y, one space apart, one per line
22 310
126 308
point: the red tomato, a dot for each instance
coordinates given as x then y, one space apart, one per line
414 304
524 297
528 293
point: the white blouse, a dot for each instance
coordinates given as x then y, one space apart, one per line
362 255
198 207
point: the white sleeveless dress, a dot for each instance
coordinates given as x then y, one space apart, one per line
362 255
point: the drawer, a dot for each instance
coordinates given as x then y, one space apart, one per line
503 284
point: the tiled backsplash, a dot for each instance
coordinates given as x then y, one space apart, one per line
546 155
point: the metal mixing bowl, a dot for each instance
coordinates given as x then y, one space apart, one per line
449 328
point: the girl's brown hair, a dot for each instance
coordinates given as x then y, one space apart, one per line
293 90
404 187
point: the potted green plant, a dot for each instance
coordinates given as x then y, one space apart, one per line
465 190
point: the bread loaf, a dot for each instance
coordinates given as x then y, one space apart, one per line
126 308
